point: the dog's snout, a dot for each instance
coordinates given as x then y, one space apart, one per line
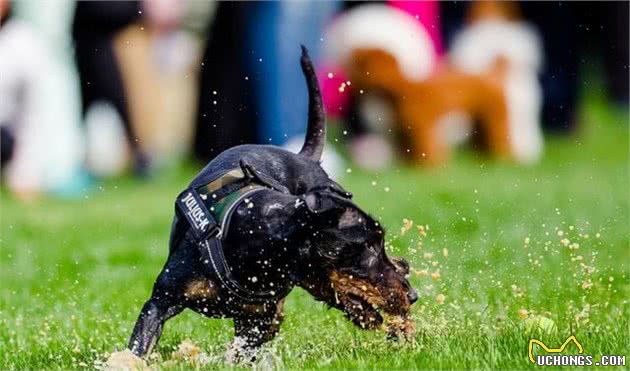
412 295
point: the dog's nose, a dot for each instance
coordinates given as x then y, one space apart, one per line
412 295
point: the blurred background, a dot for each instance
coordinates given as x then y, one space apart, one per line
490 138
97 89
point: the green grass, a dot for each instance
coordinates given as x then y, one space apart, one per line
74 274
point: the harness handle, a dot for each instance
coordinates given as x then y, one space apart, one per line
256 176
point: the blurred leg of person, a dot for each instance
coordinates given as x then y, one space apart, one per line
159 58
7 145
226 115
95 25
40 95
275 35
558 26
262 40
452 16
24 63
614 21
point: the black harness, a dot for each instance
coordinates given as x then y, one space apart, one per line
208 209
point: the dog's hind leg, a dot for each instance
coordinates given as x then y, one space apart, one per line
253 331
167 300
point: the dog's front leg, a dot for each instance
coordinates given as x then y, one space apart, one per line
148 328
251 332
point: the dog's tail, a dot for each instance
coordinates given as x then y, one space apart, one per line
316 131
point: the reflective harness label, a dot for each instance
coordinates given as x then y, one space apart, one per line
195 214
193 209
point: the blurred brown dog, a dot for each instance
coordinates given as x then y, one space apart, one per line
419 105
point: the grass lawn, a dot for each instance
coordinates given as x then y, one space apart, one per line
552 239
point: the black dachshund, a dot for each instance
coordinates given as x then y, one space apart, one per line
258 221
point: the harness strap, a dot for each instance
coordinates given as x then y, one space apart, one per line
217 262
209 208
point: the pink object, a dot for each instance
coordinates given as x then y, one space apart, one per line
428 14
335 101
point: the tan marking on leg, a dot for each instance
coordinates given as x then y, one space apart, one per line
200 289
254 308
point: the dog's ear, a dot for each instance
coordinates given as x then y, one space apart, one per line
322 202
280 215
333 210
287 214
285 217
326 202
337 230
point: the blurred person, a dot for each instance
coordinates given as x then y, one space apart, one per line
558 25
249 74
568 31
39 109
273 38
495 31
96 23
226 115
616 52
576 36
158 57
572 35
596 34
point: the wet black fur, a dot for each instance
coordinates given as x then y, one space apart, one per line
283 240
